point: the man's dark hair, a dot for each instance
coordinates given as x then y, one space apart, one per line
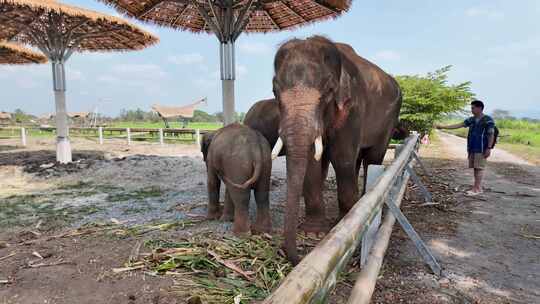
477 103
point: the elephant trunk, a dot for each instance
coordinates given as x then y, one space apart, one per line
296 172
302 139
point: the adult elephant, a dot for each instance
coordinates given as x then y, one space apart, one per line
264 117
335 107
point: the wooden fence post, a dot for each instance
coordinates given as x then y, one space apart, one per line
198 133
161 136
128 136
100 134
23 137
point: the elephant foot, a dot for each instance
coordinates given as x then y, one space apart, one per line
261 228
241 229
316 226
213 214
226 217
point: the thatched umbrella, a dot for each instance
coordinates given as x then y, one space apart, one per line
59 30
11 53
227 19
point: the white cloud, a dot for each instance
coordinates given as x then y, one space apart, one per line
526 47
514 55
143 71
484 12
108 79
184 59
241 70
388 55
74 75
27 77
255 48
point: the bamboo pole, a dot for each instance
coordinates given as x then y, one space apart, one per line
315 276
365 283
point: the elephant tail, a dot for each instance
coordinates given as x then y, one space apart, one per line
249 182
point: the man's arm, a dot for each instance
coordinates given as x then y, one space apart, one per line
456 126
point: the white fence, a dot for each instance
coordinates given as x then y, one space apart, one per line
102 134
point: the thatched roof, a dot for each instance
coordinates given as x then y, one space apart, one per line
35 21
78 114
183 111
11 53
5 115
266 16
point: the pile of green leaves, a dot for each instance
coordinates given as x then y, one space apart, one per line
220 269
427 99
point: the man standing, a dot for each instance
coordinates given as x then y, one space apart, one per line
480 141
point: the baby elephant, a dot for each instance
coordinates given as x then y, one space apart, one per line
241 158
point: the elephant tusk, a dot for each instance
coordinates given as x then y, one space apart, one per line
277 148
318 148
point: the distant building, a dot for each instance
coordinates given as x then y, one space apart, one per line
5 117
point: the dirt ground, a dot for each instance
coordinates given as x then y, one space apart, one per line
64 229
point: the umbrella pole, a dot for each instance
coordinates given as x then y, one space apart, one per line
226 53
63 147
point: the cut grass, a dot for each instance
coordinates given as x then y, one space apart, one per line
135 195
24 210
216 269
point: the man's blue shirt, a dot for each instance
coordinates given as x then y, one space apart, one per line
479 129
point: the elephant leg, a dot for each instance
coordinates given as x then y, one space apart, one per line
372 156
240 198
214 185
315 221
228 209
347 184
263 223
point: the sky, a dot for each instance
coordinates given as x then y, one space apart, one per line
494 44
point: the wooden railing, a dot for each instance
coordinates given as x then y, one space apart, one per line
130 134
313 279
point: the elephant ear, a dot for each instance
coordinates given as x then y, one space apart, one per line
344 92
205 144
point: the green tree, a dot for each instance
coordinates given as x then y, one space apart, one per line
20 116
498 114
427 99
201 116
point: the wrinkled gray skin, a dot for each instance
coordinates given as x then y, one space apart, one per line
264 117
325 89
240 157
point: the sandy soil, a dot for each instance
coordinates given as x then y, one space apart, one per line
483 243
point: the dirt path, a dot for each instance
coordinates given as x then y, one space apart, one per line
494 253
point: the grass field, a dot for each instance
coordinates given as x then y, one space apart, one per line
517 136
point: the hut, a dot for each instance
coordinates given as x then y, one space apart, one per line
183 113
5 118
